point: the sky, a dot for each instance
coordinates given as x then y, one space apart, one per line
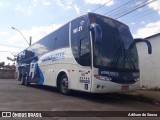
37 18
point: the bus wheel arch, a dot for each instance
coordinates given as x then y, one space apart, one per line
63 83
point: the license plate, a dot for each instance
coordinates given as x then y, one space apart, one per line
125 88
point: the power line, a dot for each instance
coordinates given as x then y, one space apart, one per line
10 46
146 15
68 17
123 9
118 7
136 17
61 19
101 6
9 51
118 12
136 9
146 11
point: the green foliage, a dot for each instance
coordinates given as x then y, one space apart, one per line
2 64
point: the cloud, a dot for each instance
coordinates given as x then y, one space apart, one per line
7 52
59 3
36 33
68 4
65 4
46 2
29 12
5 4
88 10
77 9
101 2
1 4
4 56
142 22
3 34
17 40
18 7
149 29
133 23
35 2
155 5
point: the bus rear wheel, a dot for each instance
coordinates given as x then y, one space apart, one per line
63 85
22 80
26 83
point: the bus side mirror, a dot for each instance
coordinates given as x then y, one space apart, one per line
142 40
97 33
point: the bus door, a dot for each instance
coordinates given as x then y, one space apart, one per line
80 44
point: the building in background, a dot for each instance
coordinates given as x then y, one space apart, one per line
150 63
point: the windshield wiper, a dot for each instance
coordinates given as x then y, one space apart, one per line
118 54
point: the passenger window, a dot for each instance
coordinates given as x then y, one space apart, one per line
62 37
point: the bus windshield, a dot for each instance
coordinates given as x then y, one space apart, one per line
113 52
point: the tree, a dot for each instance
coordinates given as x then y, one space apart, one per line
13 66
2 65
13 59
8 66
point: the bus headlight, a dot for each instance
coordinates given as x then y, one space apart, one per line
98 77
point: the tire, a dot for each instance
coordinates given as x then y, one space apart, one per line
22 80
26 83
19 78
63 85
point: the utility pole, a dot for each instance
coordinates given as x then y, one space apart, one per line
30 38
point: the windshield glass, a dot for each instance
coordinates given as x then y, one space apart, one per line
113 52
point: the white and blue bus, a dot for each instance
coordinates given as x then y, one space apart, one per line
92 53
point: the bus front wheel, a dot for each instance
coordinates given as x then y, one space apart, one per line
63 85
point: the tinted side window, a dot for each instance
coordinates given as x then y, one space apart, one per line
61 38
29 54
55 40
43 46
47 42
80 41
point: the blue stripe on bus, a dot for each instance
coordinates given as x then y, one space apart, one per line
41 81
